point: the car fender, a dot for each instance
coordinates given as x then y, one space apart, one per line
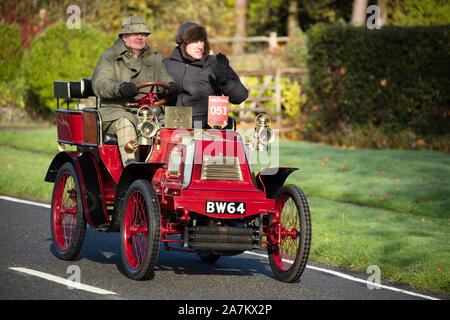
91 184
272 179
58 161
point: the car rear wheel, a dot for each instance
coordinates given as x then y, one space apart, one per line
68 224
140 230
288 259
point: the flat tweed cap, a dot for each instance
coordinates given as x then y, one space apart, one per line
134 24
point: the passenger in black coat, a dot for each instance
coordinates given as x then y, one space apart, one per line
200 74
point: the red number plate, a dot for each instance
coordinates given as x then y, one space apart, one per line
218 108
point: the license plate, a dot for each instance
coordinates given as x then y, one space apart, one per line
225 207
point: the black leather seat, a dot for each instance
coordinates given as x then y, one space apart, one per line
110 139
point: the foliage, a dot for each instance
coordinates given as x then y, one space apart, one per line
418 12
395 77
297 48
292 99
11 51
162 16
62 54
12 93
264 16
216 16
32 17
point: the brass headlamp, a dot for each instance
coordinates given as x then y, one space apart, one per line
263 134
146 128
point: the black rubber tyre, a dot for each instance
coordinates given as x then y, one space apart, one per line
67 221
288 261
140 230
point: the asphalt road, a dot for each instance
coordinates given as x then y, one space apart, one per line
25 248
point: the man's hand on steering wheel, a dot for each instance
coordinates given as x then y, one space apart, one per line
128 90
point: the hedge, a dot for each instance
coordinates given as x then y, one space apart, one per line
393 77
61 53
11 51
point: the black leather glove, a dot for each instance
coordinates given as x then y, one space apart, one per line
128 89
220 69
173 91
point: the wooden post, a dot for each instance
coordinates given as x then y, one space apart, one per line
278 94
272 41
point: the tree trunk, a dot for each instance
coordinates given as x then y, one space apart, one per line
359 12
383 7
292 20
241 12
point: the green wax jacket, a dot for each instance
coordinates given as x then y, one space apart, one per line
117 64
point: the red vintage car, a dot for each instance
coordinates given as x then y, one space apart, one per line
191 190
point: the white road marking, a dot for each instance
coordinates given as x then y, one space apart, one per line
335 273
60 280
45 205
346 276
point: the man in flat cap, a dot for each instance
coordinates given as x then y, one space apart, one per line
129 61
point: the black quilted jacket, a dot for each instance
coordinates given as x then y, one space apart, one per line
198 82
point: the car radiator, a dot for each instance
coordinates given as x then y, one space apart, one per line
223 238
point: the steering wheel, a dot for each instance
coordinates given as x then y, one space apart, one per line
150 98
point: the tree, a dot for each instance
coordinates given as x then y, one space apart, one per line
418 12
359 12
240 7
293 17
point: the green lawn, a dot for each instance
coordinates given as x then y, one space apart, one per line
392 207
405 181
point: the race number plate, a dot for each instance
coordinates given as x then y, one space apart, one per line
218 108
225 207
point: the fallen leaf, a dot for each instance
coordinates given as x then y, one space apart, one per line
389 193
421 142
421 180
342 166
373 195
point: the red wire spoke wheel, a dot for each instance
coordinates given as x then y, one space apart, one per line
67 216
140 230
288 259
